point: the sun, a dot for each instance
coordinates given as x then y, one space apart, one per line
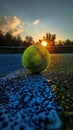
44 43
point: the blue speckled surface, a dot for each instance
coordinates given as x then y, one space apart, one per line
27 103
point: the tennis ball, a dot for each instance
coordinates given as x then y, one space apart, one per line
36 58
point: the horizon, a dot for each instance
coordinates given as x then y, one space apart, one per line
36 18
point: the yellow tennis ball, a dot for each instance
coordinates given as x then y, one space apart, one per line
36 58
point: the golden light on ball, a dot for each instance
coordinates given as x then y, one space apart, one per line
36 58
44 43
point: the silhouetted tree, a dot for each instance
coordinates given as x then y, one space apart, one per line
18 40
1 38
8 39
29 40
53 37
48 36
60 43
48 39
67 42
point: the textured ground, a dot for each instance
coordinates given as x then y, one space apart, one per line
60 76
27 103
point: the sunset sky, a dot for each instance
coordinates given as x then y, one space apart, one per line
37 17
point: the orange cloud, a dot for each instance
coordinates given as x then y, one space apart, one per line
16 32
10 24
36 22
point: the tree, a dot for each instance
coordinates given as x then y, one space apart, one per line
29 40
67 42
18 40
48 39
8 39
60 43
53 37
48 36
1 38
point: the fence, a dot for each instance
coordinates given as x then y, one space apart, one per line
51 49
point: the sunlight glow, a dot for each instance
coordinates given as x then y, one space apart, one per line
44 43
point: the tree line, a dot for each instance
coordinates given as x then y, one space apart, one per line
7 40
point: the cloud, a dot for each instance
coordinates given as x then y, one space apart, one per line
16 32
36 22
11 24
